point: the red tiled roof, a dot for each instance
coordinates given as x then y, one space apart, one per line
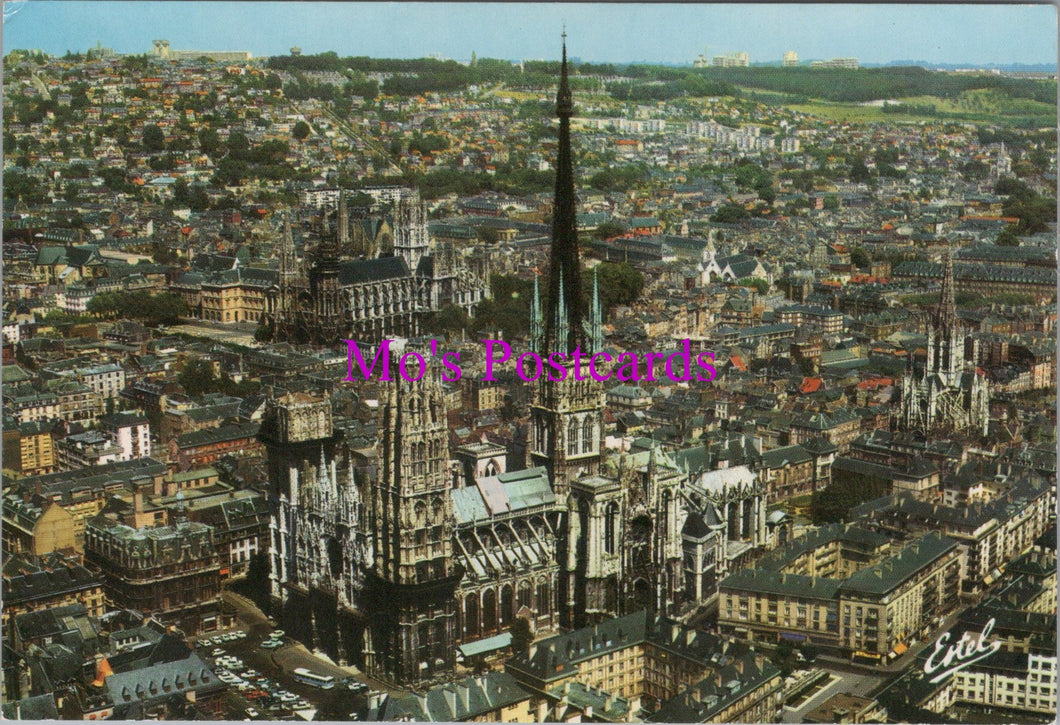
810 385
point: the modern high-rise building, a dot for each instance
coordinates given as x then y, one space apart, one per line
737 59
791 59
851 63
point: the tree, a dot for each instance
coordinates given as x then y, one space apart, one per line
1007 238
197 377
609 230
619 284
784 657
859 258
758 285
448 319
209 141
72 193
154 139
729 214
489 235
301 131
859 172
522 637
238 145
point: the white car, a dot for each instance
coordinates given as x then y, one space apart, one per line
251 712
287 696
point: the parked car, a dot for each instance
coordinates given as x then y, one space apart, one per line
251 712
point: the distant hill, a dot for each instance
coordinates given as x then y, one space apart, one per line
871 84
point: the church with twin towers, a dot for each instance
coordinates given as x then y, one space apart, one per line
393 559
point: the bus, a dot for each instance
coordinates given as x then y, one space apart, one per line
324 682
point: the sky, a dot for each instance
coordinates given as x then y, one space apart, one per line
604 32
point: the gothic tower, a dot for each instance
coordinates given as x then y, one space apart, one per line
409 591
411 239
328 313
285 312
315 552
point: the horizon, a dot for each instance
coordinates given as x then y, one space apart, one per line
974 36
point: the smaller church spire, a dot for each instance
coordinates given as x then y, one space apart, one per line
536 328
323 480
343 230
594 328
287 256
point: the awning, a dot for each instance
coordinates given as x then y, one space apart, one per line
489 644
901 649
793 637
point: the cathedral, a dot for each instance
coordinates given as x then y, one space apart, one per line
395 559
944 396
402 275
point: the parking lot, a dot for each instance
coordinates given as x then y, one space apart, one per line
840 682
258 663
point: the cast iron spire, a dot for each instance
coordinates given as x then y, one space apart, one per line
565 266
946 312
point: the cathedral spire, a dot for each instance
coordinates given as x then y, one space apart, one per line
565 259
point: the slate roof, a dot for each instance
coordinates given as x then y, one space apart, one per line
161 680
888 574
373 270
41 707
775 582
466 699
27 578
93 478
707 698
210 436
984 272
502 494
786 456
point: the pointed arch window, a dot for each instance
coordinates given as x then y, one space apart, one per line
611 528
587 434
572 438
